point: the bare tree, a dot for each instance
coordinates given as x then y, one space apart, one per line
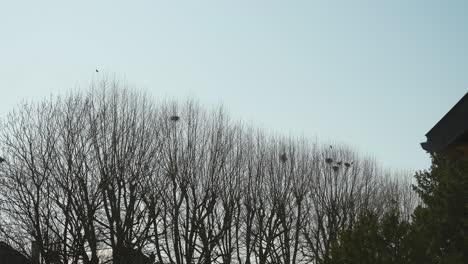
109 175
28 211
125 142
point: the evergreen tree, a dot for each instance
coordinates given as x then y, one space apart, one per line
443 219
374 240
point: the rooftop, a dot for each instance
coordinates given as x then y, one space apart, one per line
452 129
11 256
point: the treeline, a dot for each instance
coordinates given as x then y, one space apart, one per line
109 174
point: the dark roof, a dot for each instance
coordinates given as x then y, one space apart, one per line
451 129
11 256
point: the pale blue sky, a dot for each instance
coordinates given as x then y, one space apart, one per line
376 75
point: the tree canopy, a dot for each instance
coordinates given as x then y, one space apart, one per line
112 174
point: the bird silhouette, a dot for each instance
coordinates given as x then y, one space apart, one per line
97 70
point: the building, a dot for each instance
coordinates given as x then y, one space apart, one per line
450 134
8 255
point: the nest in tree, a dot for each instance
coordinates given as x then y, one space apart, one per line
283 157
328 160
175 118
336 168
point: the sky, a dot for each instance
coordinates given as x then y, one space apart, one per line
375 75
